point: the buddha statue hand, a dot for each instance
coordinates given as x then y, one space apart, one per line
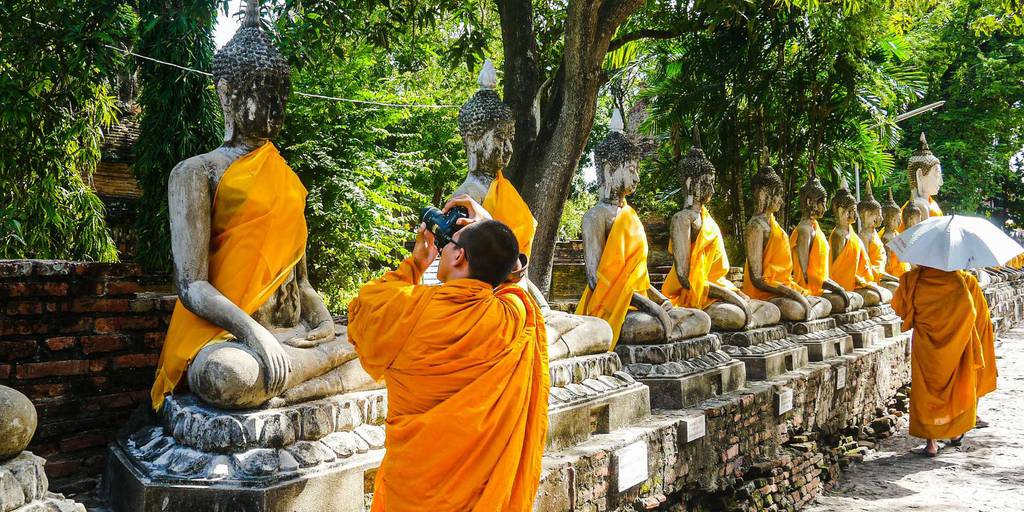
322 333
666 320
276 365
799 297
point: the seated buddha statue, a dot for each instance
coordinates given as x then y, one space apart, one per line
850 265
870 211
247 328
768 273
700 263
487 129
811 253
924 172
615 253
892 217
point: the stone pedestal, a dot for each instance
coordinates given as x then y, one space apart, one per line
310 456
821 337
685 372
592 395
766 352
23 487
858 325
885 317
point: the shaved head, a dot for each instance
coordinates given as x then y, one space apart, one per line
491 250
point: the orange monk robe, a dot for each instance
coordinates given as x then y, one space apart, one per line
505 204
621 272
851 268
817 261
947 356
709 264
466 369
876 256
987 374
893 265
776 265
257 194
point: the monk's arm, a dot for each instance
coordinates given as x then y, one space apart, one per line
681 247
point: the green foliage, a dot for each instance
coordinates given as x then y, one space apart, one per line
55 80
180 115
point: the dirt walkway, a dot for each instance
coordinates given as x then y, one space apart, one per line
986 474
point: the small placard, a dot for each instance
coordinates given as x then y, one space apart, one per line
783 401
696 427
632 464
841 377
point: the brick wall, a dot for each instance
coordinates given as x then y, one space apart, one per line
81 340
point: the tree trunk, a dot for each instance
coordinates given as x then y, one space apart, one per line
547 154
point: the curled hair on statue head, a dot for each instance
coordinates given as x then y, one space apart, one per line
922 160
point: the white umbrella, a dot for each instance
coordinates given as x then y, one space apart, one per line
955 242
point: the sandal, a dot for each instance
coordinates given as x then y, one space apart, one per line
956 441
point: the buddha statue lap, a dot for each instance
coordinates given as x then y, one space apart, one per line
850 266
768 274
248 328
870 211
615 253
811 252
924 171
892 217
700 263
487 129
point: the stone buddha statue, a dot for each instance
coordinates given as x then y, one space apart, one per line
892 217
850 266
700 263
870 211
248 328
768 274
924 171
615 253
487 129
811 252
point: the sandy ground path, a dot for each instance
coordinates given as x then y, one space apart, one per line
986 474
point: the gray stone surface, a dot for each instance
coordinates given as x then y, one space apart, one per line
753 337
785 357
842 319
23 487
17 422
811 326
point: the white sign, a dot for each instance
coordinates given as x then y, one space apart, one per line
841 377
632 464
696 427
784 401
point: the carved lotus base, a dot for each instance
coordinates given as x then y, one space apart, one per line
771 359
821 337
23 487
885 317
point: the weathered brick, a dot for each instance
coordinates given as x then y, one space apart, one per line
120 287
50 369
82 441
98 366
35 391
60 467
104 343
135 360
154 340
53 268
24 308
60 343
125 323
15 268
93 304
5 371
17 349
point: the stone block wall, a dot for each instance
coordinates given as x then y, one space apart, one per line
81 340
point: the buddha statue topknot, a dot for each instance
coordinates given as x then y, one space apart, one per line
487 129
700 263
248 328
615 254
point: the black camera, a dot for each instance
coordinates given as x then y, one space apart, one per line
443 225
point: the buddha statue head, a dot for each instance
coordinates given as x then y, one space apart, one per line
869 209
844 206
891 214
617 158
924 170
813 197
252 80
487 126
697 174
767 187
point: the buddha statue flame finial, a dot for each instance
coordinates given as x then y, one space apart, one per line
766 177
485 111
488 78
868 201
843 198
616 124
812 187
617 147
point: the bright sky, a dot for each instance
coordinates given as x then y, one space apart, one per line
226 25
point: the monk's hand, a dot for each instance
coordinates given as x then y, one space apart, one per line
425 252
476 212
276 365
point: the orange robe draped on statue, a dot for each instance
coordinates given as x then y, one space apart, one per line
466 368
851 268
257 235
877 256
709 264
776 265
621 272
817 261
893 265
505 204
947 359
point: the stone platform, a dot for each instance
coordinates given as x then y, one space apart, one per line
821 337
682 373
766 352
23 487
885 317
860 327
592 395
309 456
